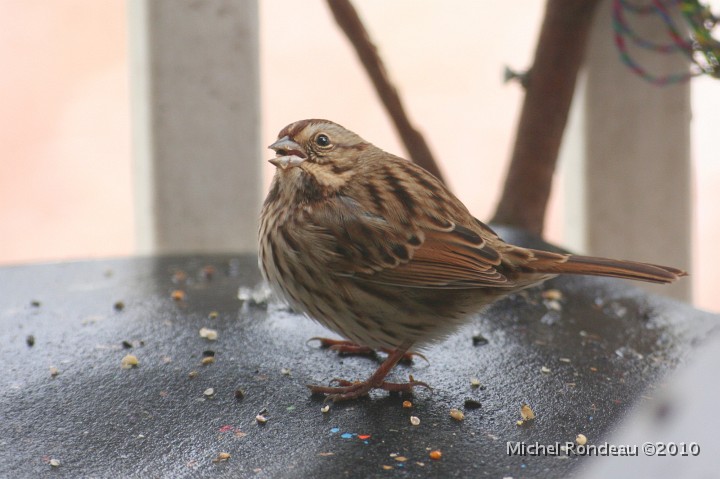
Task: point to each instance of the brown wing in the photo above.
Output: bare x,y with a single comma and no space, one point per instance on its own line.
440,254
446,260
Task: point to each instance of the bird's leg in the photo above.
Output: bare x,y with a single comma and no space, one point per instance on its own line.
345,347
352,390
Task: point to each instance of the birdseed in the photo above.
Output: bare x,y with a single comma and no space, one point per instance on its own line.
208,333
223,456
457,414
129,361
552,294
526,412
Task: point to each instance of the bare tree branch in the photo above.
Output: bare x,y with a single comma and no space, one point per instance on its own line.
558,57
347,18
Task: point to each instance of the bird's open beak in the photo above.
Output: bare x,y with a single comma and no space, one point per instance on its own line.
289,153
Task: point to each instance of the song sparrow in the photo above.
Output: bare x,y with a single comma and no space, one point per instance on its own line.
378,250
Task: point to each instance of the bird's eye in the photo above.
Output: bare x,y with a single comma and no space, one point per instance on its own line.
322,140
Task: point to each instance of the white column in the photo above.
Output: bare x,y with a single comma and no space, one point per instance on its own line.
196,124
635,174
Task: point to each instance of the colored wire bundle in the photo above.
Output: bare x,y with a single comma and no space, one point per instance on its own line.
699,45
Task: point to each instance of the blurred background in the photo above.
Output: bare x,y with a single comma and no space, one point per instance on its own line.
66,189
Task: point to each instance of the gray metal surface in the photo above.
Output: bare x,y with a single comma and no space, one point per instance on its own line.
605,351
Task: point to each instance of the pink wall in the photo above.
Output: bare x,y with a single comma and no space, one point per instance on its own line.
65,186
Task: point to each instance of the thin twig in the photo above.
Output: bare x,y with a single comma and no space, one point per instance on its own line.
347,18
558,56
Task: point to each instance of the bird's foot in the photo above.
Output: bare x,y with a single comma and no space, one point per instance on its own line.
347,390
343,346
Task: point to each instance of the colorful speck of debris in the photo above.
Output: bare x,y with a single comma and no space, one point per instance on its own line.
226,428
350,435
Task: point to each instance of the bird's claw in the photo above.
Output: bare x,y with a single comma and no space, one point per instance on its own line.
347,390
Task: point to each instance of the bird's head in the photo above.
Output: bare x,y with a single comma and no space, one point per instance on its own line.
319,148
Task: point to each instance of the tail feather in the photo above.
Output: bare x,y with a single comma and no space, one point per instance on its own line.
546,262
